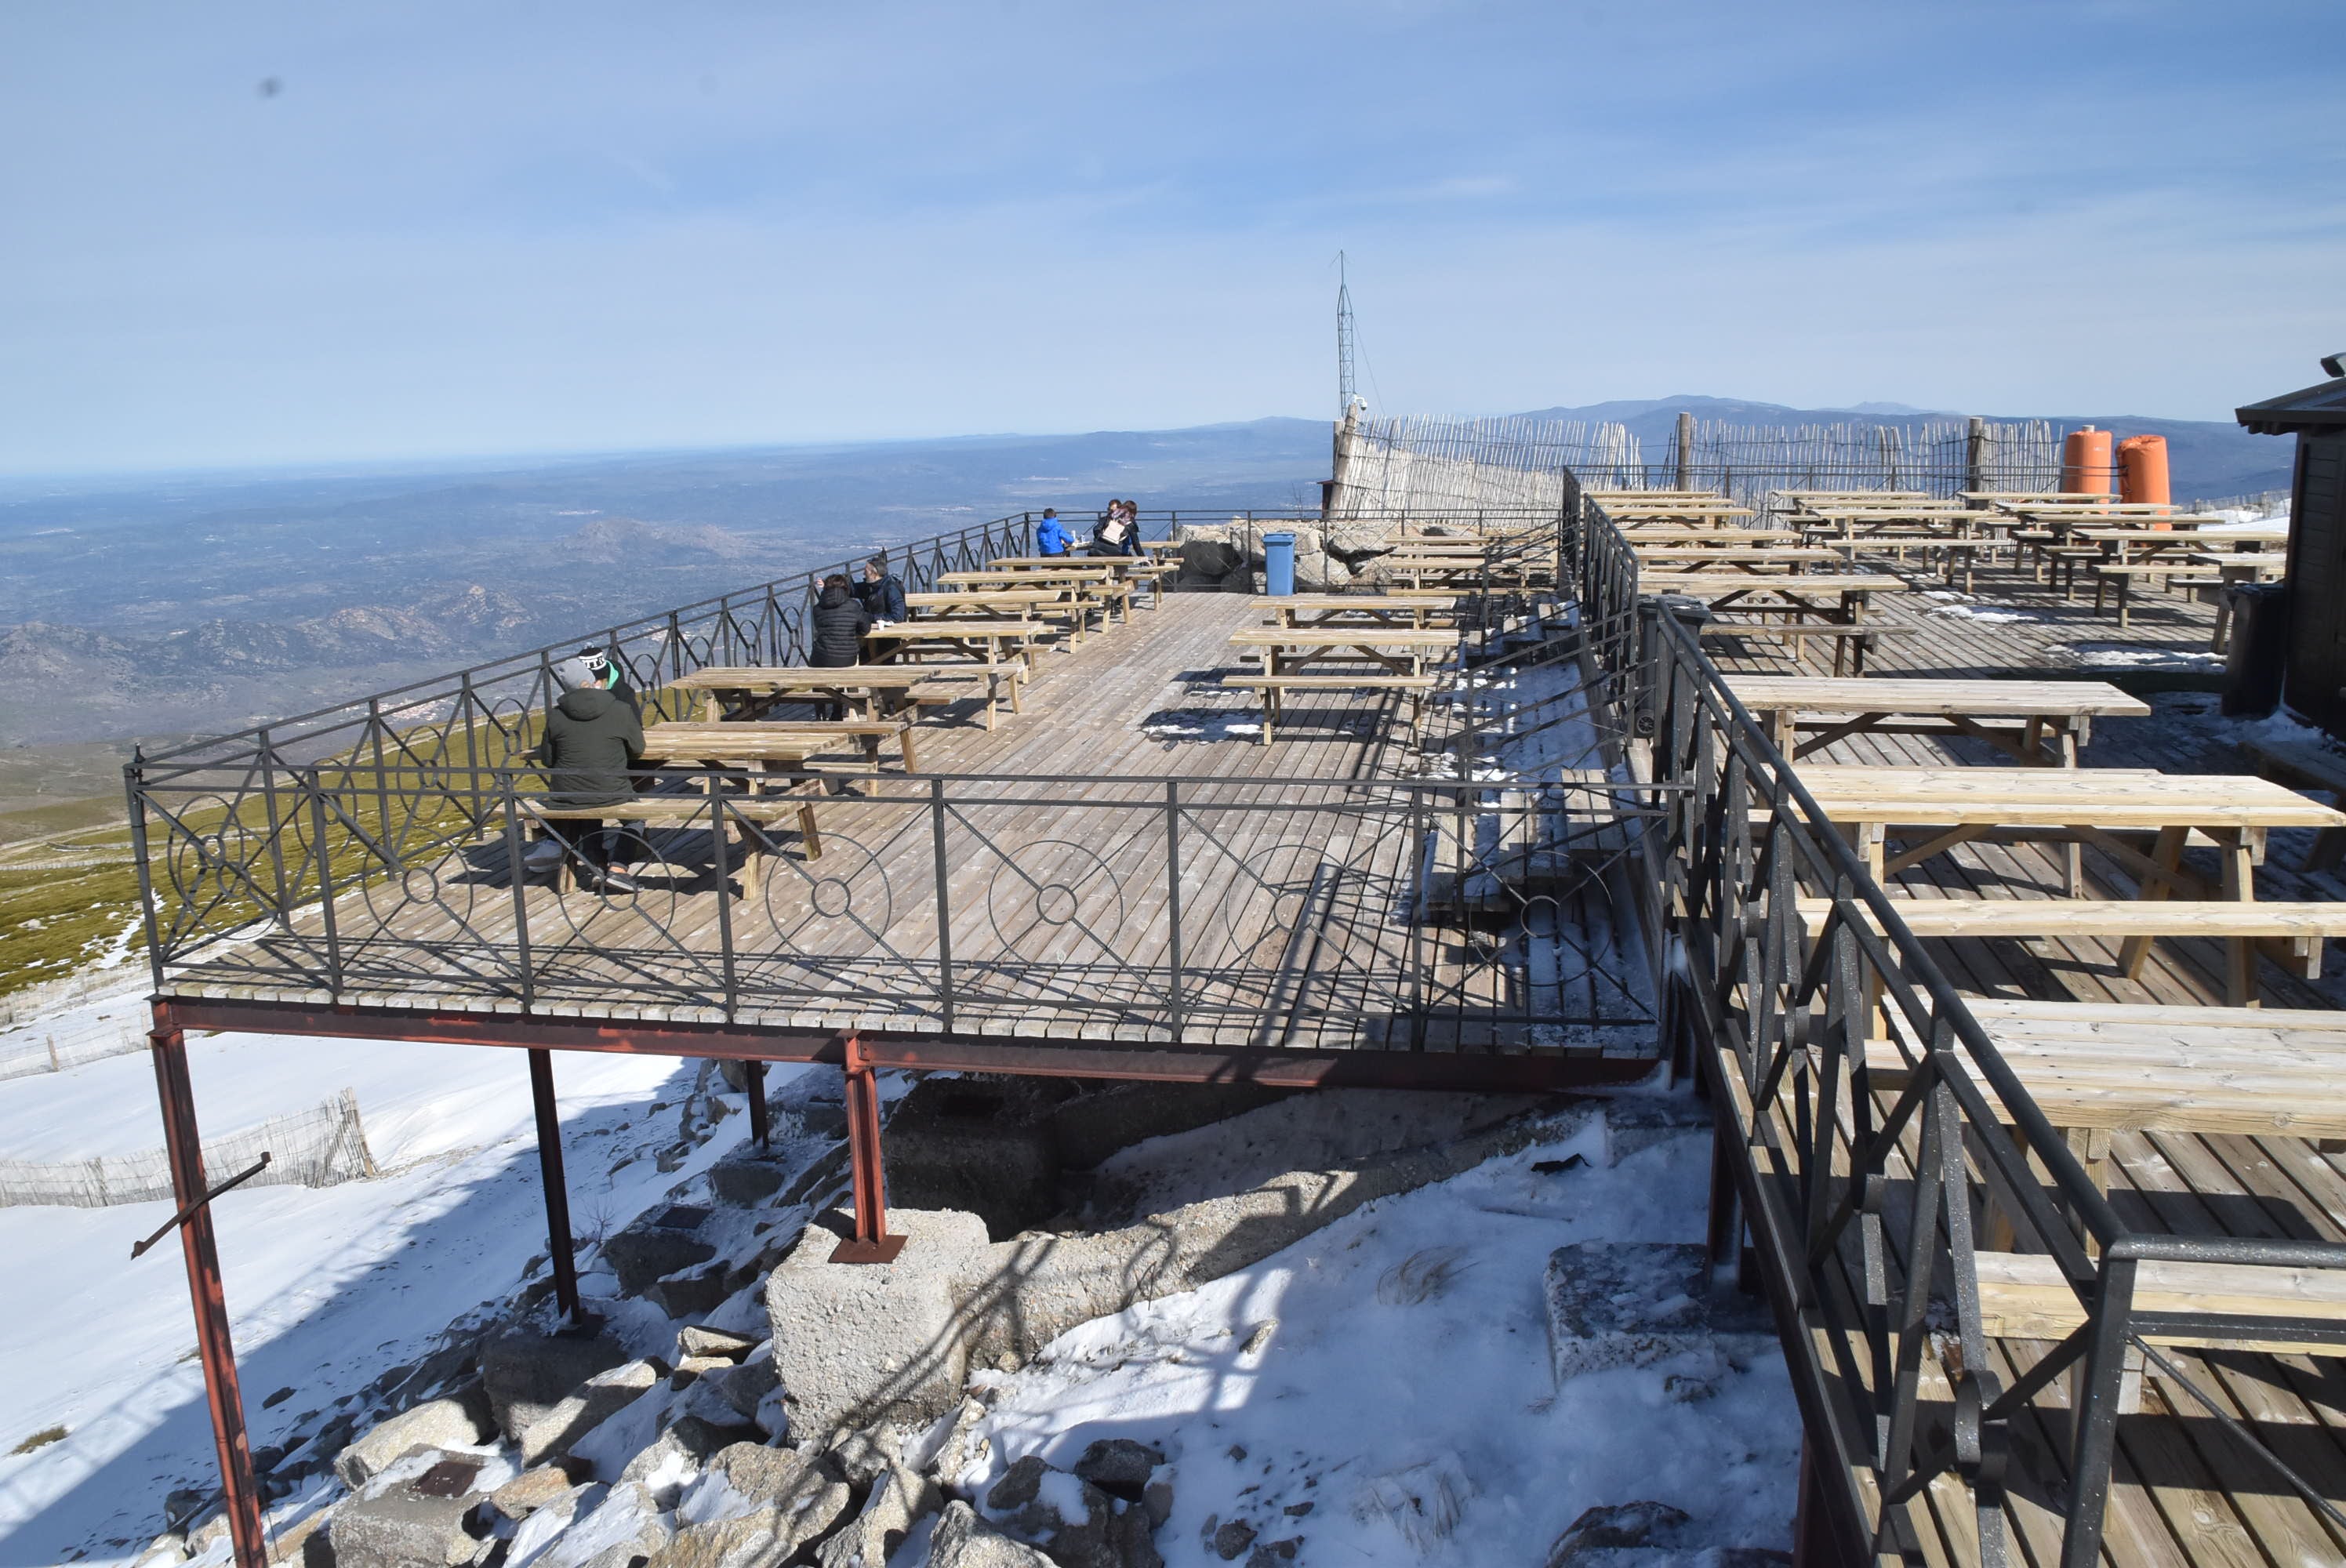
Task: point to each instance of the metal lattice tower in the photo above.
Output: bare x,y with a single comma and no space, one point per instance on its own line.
1344,392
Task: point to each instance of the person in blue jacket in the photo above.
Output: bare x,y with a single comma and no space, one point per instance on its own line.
1051,536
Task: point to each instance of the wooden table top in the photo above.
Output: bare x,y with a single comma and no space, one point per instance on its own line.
1788,552
2264,1070
1895,695
706,742
1059,562
2058,797
1428,601
987,597
797,678
1343,637
1818,583
1002,630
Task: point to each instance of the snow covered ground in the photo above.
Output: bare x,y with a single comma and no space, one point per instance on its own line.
1320,1395
327,1288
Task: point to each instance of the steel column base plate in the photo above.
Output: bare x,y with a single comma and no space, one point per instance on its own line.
883,1250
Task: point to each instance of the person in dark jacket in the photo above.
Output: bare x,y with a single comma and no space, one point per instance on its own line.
840,622
592,742
881,593
1118,531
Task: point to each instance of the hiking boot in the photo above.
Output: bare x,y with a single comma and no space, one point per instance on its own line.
542,856
612,882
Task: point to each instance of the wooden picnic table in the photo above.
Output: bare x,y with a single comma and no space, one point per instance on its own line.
2074,807
2058,714
1837,602
970,641
756,688
778,745
1112,589
1788,558
1661,535
1286,650
1379,609
1046,606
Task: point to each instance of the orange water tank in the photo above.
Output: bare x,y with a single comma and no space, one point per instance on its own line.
2142,469
2085,463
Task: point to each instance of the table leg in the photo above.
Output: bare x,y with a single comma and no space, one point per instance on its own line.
2240,952
2168,853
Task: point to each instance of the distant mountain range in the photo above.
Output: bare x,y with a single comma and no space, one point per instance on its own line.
207,601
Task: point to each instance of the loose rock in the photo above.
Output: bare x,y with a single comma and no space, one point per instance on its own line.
599,1399
530,1490
1618,1525
436,1424
526,1373
963,1540
1119,1466
898,1500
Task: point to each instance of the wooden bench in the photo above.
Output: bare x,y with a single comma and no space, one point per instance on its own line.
684,811
2122,573
2290,934
1275,686
2021,1296
1858,640
2306,765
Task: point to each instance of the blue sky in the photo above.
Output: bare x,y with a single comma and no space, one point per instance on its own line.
518,227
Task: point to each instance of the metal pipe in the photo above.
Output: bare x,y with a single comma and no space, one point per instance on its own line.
559,1243
753,1073
183,1147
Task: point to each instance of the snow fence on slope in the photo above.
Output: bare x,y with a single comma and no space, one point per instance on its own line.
317,1147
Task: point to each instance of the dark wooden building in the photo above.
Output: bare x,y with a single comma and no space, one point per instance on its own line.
2316,680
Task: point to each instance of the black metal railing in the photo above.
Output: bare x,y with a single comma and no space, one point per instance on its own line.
1871,1129
368,850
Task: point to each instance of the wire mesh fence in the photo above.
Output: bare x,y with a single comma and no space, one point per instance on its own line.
318,1148
1425,465
56,1043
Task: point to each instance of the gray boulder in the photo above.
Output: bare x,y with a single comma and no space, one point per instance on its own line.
899,1498
801,1495
624,1531
531,1491
963,1540
643,1254
1107,1535
1119,1466
1600,1533
526,1373
417,1523
435,1423
600,1398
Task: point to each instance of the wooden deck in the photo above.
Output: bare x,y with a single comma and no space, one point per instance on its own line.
1300,864
2184,1490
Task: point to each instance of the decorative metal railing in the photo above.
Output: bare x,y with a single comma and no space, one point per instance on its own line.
366,852
1871,1129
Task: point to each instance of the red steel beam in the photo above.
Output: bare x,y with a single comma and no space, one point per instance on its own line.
871,1243
560,1249
1286,1069
183,1146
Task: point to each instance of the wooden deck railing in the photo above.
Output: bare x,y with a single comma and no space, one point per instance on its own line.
1864,1206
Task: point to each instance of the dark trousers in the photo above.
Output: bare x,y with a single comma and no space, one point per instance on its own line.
585,838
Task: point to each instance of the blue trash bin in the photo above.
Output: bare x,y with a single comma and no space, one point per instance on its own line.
1279,563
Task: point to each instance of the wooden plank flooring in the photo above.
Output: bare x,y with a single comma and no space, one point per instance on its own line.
2184,1490
1053,916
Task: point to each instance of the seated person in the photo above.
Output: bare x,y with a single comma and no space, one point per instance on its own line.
592,742
1051,535
612,677
1119,532
881,593
835,638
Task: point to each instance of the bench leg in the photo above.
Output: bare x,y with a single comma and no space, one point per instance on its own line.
2240,952
812,839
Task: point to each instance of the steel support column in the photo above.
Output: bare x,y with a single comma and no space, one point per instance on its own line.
753,1073
872,1243
558,1192
184,1149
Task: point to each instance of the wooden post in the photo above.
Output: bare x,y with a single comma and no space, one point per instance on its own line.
1686,451
1975,456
